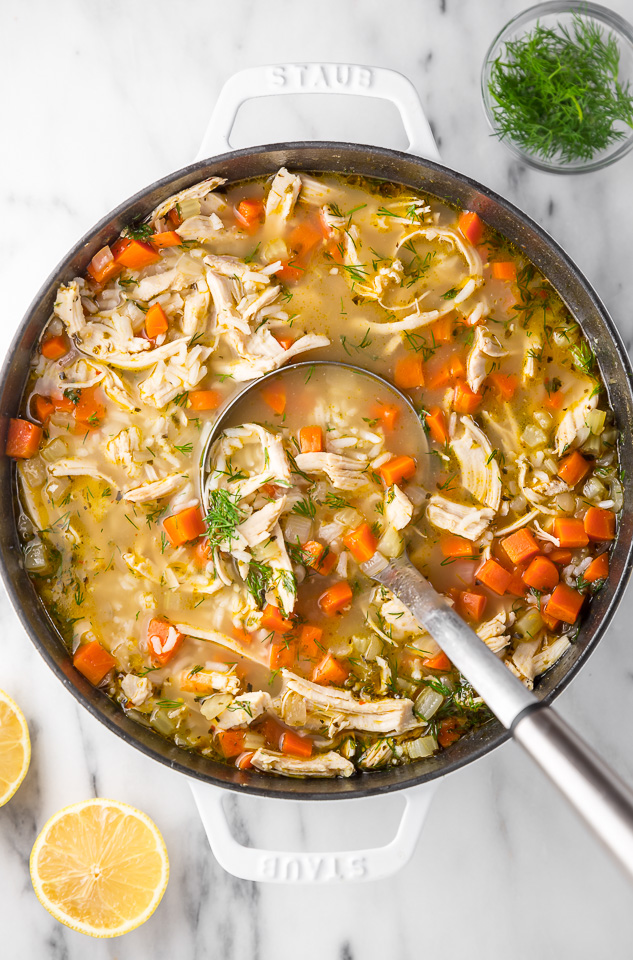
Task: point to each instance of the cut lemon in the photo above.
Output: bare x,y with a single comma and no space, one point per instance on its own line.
15,747
100,867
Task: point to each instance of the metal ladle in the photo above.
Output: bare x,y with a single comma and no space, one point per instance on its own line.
595,791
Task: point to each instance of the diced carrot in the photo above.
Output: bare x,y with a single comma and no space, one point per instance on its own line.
570,532
504,270
271,730
174,217
319,557
409,373
245,760
560,556
103,267
55,347
304,238
93,661
134,254
282,655
230,742
386,413
599,524
504,383
456,367
448,731
204,399
163,641
284,342
564,604
554,400
89,412
436,423
336,598
550,622
168,238
464,399
541,574
156,322
453,546
573,468
269,489
184,526
521,546
330,670
273,620
64,404
290,271
471,226
251,210
598,569
275,396
472,604
442,329
23,439
334,251
397,469
361,543
438,662
310,641
202,551
494,576
295,745
517,586
42,407
311,439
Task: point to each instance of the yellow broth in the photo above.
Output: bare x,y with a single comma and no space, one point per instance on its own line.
399,284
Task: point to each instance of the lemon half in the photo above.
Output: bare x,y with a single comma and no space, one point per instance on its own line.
100,867
15,747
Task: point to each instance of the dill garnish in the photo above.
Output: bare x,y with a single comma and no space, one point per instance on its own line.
223,517
557,91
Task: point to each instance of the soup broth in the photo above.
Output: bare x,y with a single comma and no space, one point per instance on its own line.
238,620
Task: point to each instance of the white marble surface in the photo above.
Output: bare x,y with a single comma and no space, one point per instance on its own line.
100,98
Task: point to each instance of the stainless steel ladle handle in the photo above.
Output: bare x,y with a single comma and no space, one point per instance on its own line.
595,791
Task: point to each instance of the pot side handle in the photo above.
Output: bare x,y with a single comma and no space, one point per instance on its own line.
325,78
272,866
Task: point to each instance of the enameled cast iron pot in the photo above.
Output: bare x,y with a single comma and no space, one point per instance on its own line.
421,175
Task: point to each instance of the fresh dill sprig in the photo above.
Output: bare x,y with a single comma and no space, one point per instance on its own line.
223,517
556,91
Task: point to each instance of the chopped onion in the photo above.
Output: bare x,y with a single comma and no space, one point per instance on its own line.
543,419
330,531
592,445
54,450
428,703
298,529
518,503
595,421
213,706
422,747
530,624
533,436
566,502
36,558
348,517
594,489
369,647
275,250
391,544
188,208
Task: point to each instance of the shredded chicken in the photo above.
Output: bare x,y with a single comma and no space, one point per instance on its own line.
469,522
342,472
329,764
485,346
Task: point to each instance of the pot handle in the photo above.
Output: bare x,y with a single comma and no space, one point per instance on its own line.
333,78
271,866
